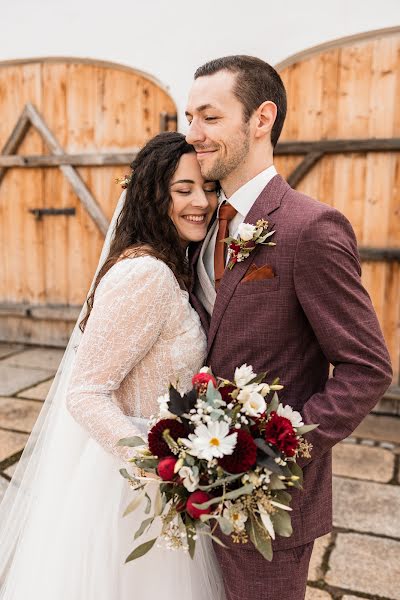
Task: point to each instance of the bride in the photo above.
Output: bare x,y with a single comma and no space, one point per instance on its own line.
62,531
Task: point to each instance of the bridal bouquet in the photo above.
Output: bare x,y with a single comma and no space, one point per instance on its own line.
224,455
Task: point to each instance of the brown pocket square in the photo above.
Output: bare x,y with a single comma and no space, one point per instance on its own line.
258,273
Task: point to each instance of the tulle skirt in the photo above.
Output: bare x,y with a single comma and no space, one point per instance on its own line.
76,549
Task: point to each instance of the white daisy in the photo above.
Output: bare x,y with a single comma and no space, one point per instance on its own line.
211,441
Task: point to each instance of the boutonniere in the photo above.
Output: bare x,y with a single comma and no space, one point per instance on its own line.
249,236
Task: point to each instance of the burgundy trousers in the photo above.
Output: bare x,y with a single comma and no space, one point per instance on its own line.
248,576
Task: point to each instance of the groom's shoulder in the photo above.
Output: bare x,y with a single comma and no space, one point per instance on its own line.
302,209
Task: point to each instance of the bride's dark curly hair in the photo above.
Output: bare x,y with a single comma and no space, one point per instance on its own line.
144,227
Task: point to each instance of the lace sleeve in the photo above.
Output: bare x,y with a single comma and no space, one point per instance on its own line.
128,314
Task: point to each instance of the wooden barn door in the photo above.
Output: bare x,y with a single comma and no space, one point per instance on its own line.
341,144
68,129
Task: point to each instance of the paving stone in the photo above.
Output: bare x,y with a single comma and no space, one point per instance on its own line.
365,564
37,358
14,379
3,487
366,506
7,349
320,545
18,414
37,392
361,462
10,443
314,594
379,428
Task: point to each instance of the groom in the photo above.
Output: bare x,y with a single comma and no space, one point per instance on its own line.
289,309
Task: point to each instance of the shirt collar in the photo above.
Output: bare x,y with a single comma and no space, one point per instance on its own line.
243,199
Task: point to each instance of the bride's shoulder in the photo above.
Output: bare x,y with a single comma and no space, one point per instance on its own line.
134,268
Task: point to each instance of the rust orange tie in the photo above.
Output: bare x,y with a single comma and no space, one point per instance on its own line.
225,215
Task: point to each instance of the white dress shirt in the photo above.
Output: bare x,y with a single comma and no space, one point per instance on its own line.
243,199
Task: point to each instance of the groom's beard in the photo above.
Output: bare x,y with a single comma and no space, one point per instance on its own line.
237,151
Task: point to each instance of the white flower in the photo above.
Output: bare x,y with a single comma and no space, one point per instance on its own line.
235,514
211,441
190,480
246,231
163,403
253,403
204,370
294,417
243,375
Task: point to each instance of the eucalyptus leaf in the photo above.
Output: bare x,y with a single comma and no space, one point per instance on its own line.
259,537
133,504
282,523
145,524
258,379
264,447
305,429
220,482
148,504
273,405
213,537
158,503
225,525
190,532
269,463
275,483
297,472
242,491
141,550
131,442
126,475
212,393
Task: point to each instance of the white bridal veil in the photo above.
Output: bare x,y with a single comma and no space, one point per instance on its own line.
51,454
62,534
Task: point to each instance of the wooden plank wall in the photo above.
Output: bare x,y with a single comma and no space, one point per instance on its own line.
353,92
89,107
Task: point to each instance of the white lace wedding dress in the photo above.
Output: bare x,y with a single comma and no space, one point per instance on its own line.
142,334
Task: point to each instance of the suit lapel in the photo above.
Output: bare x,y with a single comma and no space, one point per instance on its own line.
268,201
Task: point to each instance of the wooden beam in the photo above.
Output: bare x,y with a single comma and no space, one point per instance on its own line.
69,172
338,146
77,160
17,135
302,169
368,253
54,312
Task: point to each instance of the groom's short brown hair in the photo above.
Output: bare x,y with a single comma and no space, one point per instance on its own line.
256,82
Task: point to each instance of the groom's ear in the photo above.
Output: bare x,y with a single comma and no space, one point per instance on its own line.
265,116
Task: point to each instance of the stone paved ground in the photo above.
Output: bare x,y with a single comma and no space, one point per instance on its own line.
360,559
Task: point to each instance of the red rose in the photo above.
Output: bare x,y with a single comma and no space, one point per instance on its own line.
201,380
244,455
279,432
197,497
158,446
165,468
234,247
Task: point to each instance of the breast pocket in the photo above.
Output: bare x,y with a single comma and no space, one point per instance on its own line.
250,288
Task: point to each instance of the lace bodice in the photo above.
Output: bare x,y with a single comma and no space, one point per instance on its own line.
142,334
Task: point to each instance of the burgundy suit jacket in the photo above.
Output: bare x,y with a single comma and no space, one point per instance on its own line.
314,312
